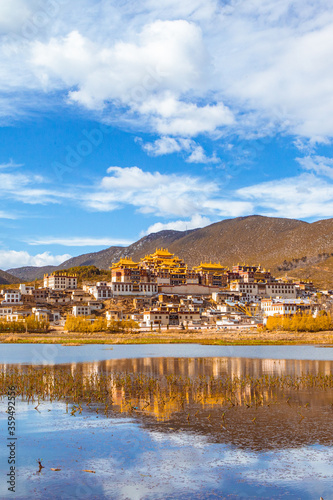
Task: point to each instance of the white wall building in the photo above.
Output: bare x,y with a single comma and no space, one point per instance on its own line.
146,289
79,295
273,289
81,311
12,297
101,291
60,282
5,310
114,315
155,318
17,316
282,307
25,289
41,314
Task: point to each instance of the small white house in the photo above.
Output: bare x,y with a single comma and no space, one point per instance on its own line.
12,297
26,289
5,310
281,307
101,291
81,310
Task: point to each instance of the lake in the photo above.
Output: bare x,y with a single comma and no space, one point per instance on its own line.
169,421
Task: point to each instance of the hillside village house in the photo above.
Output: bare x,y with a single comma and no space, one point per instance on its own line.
157,317
18,315
95,305
114,315
273,289
81,310
40,294
101,291
280,307
60,281
5,310
79,295
41,314
26,289
57,297
11,297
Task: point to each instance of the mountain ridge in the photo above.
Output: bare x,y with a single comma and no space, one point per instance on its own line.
7,278
271,241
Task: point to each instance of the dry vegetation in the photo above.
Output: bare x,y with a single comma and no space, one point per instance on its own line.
209,337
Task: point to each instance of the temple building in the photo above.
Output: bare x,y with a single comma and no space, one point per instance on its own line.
212,274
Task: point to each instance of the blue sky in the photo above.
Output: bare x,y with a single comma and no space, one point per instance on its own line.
122,118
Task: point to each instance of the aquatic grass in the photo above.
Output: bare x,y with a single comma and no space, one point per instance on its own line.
160,396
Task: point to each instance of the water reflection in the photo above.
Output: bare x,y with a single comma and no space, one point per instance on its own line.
194,367
251,403
185,428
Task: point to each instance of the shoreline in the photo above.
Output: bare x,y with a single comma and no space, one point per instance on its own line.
172,337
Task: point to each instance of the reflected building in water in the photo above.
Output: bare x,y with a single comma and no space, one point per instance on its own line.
209,367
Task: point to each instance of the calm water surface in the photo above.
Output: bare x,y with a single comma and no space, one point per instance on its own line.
202,448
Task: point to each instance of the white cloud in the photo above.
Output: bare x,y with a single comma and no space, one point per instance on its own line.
14,14
168,145
180,225
301,197
167,56
179,68
165,195
12,259
80,241
148,77
273,61
318,164
226,207
7,215
173,117
22,188
150,192
198,155
10,164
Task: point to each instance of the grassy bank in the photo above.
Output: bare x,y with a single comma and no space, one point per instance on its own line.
208,337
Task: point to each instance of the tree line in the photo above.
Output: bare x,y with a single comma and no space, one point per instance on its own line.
82,325
302,322
29,325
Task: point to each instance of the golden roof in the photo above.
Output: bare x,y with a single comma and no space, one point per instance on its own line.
210,265
163,252
125,262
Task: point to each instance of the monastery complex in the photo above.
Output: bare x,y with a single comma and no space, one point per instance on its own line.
161,290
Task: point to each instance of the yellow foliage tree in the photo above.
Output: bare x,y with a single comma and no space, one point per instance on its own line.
301,322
